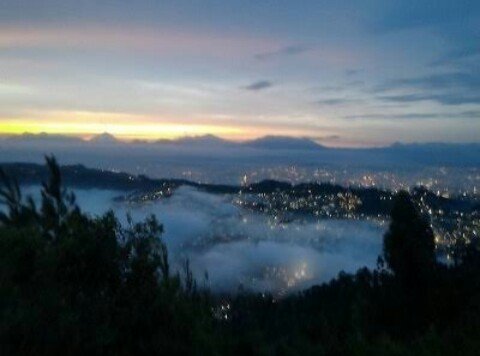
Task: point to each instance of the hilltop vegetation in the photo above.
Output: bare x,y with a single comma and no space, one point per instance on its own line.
74,284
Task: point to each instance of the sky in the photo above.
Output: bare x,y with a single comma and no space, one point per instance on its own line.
345,73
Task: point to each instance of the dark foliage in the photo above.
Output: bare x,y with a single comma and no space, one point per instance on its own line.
409,246
73,284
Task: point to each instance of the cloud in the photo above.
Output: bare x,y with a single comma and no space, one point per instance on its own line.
237,246
444,98
467,80
282,52
259,85
326,138
355,83
328,88
142,40
395,116
453,88
334,101
338,89
352,72
240,247
456,55
469,114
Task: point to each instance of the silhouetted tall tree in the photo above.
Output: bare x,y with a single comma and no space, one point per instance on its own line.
409,245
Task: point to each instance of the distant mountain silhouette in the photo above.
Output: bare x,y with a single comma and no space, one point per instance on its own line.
432,145
406,154
204,140
284,143
43,137
266,142
104,138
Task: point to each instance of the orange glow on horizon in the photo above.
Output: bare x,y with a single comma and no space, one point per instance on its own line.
130,128
121,130
127,127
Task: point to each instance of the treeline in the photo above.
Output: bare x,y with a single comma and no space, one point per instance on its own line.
73,284
374,201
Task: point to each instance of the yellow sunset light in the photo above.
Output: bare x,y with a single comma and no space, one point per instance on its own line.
125,130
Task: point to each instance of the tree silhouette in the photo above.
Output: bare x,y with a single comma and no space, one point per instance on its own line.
73,284
409,245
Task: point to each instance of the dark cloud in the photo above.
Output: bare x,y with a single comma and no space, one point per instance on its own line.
454,88
284,51
443,81
395,116
334,101
259,85
405,98
326,138
445,99
352,72
470,114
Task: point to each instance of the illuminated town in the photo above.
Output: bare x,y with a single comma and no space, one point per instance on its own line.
455,218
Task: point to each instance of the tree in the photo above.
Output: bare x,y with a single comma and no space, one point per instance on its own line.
409,245
75,284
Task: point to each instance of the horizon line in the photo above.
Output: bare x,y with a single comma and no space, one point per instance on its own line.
90,137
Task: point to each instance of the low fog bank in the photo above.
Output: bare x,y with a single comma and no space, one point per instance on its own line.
241,249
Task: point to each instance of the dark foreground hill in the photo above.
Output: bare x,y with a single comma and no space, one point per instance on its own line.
73,284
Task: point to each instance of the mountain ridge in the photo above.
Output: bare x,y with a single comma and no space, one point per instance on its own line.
264,142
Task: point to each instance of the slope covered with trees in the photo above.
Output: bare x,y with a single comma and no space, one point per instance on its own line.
73,284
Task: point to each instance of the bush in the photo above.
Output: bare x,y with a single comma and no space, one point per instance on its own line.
75,284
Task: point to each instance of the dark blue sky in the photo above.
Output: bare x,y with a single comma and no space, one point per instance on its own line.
344,72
